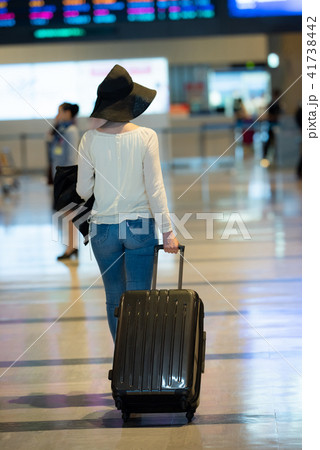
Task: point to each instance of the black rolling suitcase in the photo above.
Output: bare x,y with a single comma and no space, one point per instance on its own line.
160,349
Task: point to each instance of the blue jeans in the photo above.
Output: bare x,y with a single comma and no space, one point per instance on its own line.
124,253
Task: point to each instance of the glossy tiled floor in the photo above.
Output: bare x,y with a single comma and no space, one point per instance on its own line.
57,396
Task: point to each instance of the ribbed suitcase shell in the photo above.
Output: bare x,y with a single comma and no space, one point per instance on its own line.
159,351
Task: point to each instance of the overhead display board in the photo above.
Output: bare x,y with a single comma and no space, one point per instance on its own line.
25,21
60,13
264,8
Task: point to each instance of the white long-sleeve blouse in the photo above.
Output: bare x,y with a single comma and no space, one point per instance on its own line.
123,172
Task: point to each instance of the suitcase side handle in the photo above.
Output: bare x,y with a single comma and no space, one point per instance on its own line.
155,265
204,339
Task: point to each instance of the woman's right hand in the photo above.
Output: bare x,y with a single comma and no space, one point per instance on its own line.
170,242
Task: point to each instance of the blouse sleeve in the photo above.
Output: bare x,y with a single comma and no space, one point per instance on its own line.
85,182
154,185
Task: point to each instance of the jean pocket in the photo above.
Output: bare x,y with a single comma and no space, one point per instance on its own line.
99,233
141,229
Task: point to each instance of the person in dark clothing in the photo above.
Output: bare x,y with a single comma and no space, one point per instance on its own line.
298,117
274,111
63,143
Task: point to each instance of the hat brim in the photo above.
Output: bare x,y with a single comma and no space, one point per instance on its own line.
127,108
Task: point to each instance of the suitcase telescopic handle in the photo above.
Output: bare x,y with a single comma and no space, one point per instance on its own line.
155,265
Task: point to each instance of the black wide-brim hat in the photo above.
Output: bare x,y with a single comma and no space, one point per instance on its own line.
119,98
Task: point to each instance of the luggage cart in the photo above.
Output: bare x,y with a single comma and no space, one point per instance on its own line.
8,171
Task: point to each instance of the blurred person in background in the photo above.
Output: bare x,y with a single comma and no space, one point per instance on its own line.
240,112
243,121
63,143
274,111
298,119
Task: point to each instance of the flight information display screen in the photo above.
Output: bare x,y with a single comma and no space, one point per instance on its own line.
55,13
261,8
23,21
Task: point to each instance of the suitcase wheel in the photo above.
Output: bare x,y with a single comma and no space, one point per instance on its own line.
190,415
125,416
118,403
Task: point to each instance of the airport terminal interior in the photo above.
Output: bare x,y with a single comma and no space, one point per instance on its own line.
234,185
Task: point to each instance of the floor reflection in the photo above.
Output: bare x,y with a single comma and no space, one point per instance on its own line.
251,389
